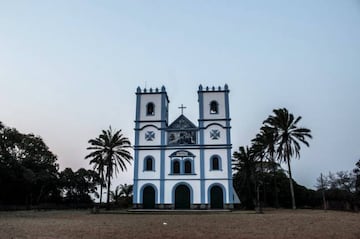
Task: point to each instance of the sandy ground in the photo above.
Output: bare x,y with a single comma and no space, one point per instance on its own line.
271,224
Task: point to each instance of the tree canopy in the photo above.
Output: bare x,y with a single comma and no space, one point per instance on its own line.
30,176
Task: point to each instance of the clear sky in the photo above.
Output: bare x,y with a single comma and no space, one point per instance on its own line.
69,69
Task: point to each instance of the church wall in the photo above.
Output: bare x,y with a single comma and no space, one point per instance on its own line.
145,137
222,183
194,189
210,133
223,172
155,154
154,183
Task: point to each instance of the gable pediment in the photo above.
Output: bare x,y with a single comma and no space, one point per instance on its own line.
182,123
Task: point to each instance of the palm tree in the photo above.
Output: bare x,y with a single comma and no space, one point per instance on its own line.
265,147
116,195
99,167
244,166
258,150
289,137
112,148
126,190
122,191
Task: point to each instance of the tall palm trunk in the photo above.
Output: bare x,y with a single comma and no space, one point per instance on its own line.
108,190
275,181
291,185
101,189
101,186
261,183
275,188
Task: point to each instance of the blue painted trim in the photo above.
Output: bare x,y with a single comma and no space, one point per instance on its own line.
148,121
217,124
187,185
223,192
185,177
202,140
149,125
228,141
181,166
142,191
136,152
217,119
211,163
185,174
188,154
164,114
207,146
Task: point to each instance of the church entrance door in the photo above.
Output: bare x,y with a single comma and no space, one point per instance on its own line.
149,197
182,197
216,198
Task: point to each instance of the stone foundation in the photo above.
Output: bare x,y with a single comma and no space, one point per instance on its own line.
192,206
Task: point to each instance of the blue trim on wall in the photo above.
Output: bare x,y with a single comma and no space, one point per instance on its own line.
207,146
228,141
149,125
155,189
136,153
202,140
223,192
164,102
187,185
217,124
185,177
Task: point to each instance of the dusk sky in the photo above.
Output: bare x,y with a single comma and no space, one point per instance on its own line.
69,69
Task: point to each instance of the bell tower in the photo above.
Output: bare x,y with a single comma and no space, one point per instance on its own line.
151,120
214,138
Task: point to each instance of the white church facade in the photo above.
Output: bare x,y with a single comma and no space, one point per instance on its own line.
180,165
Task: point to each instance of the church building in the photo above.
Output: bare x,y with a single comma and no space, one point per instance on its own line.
182,165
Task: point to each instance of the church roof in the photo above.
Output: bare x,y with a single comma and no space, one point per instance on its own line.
182,123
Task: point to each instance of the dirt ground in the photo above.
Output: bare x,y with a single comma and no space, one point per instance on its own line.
238,224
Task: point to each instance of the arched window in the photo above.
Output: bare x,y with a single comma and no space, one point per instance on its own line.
188,166
215,163
149,164
214,107
150,109
176,167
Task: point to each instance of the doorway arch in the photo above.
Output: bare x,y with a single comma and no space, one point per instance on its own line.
148,197
182,197
216,197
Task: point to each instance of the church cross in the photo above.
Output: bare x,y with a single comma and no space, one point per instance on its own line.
182,108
